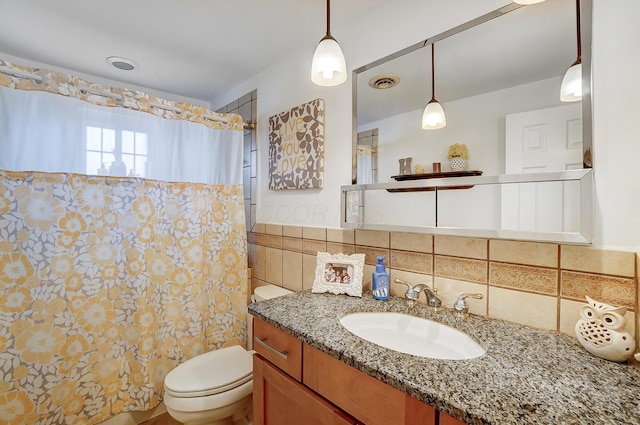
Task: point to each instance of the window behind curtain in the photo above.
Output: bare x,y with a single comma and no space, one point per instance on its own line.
46,132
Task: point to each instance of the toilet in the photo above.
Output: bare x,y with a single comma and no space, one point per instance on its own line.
216,388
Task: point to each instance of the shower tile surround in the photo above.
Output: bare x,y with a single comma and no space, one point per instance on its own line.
531,283
247,107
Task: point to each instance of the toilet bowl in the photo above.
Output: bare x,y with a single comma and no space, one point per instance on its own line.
215,388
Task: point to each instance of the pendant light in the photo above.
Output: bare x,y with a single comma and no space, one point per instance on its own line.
571,88
433,115
328,67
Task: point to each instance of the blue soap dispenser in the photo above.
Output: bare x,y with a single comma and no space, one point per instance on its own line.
380,281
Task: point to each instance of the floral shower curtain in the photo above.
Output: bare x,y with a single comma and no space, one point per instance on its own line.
106,284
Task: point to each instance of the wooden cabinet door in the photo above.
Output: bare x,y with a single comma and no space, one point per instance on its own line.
449,420
369,400
279,400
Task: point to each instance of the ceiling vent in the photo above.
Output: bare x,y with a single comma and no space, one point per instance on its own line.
384,81
122,63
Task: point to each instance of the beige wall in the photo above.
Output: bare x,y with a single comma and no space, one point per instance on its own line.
521,281
383,30
537,284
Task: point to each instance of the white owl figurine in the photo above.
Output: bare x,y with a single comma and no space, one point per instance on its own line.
599,331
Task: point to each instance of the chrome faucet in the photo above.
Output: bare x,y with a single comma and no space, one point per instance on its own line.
433,300
461,308
413,293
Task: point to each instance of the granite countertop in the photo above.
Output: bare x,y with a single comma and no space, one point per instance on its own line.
527,376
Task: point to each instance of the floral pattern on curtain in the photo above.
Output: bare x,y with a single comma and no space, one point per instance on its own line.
73,86
108,283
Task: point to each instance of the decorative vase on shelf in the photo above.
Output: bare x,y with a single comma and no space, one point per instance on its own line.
458,163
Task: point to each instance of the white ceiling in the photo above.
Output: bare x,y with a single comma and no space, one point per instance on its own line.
194,48
200,49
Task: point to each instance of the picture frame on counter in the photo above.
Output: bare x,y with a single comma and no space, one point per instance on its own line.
339,274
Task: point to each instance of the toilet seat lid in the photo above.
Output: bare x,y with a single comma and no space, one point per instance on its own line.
211,373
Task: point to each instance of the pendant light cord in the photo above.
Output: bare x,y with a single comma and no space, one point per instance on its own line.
329,18
433,73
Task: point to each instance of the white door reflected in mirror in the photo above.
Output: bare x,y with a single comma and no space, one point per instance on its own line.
538,141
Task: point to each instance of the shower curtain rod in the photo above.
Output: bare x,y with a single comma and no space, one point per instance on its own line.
248,125
166,107
21,74
115,96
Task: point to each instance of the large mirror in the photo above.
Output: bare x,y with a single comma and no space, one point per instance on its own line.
498,79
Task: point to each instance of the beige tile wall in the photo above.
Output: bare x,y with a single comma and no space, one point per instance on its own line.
537,284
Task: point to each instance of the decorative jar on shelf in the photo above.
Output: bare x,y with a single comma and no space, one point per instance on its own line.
458,163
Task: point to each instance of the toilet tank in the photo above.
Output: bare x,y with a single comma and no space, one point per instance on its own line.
262,293
267,292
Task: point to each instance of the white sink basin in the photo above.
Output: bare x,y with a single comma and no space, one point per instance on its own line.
412,335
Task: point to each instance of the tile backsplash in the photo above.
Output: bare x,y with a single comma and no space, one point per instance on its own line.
537,284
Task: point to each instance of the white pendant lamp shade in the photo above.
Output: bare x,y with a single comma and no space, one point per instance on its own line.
433,116
528,1
571,88
328,67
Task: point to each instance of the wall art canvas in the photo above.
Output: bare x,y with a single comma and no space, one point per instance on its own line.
296,147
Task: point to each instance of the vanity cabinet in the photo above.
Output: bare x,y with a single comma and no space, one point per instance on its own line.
279,348
280,400
295,383
449,420
371,401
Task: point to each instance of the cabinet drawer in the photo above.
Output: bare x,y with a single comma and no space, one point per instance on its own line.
280,348
365,398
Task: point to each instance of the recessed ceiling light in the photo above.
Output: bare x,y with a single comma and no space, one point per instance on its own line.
384,81
122,63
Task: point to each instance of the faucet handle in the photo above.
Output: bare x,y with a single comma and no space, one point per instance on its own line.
461,308
411,294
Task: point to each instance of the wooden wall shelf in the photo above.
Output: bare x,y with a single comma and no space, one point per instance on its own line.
445,174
